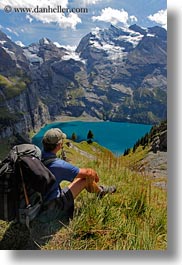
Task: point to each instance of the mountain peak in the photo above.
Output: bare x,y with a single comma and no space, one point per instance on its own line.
45,41
113,27
137,28
3,36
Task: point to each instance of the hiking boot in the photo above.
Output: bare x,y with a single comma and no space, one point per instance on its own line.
106,190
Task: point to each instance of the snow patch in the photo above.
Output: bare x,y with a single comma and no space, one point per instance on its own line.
72,55
32,57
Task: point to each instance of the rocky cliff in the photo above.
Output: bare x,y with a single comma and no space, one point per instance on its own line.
115,74
21,110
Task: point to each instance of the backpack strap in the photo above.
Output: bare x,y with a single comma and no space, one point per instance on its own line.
24,188
27,221
48,160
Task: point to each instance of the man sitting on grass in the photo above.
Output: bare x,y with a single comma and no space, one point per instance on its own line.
61,201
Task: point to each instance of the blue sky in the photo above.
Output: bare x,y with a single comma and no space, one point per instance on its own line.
69,28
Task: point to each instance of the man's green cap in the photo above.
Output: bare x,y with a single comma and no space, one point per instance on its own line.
54,136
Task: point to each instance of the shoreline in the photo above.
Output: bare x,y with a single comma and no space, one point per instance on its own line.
66,118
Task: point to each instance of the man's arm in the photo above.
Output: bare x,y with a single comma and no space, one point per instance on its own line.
88,173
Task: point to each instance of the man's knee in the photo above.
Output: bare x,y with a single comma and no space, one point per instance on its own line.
77,186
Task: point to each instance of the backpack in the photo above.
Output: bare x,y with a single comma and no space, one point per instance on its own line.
24,180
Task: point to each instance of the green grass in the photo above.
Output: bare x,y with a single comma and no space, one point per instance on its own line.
11,86
133,218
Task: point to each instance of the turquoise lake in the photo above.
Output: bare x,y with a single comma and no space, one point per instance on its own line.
116,136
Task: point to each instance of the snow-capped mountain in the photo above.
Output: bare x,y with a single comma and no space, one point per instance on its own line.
119,42
117,74
11,55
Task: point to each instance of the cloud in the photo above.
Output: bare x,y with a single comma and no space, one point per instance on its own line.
29,18
114,16
64,20
133,19
69,22
160,18
12,31
88,2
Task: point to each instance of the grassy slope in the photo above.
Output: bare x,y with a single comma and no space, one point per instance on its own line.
134,218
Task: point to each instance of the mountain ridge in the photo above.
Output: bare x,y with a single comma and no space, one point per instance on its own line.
116,74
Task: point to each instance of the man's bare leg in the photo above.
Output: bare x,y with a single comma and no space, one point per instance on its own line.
80,184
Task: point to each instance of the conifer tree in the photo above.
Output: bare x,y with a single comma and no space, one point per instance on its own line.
126,152
74,137
134,148
90,136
